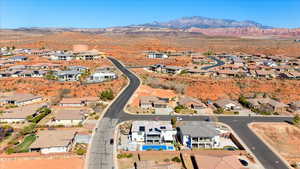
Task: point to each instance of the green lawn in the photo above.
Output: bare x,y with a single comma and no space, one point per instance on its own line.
23,147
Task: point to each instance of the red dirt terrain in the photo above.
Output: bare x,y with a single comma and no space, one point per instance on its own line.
283,137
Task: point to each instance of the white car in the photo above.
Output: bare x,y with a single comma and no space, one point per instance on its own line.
178,118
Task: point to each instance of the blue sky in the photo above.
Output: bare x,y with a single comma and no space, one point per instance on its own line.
107,13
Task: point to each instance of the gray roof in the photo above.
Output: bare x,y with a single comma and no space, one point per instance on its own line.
199,129
68,72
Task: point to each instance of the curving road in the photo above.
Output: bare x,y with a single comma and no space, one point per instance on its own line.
219,63
101,152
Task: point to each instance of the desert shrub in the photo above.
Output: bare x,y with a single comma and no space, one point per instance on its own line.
124,155
107,95
10,150
173,121
296,119
179,108
80,151
176,159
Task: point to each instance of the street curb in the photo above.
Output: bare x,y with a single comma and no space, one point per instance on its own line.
250,125
242,142
101,117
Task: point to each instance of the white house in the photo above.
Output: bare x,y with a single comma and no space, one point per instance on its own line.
68,75
152,132
101,76
199,134
156,55
53,141
61,56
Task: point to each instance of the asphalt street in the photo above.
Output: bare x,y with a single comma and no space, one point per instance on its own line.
101,154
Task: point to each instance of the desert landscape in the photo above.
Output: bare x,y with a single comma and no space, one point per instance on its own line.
283,137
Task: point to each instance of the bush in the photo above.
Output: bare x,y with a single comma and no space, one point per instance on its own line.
296,119
43,112
244,102
124,155
107,95
10,150
176,159
173,121
80,151
179,108
30,129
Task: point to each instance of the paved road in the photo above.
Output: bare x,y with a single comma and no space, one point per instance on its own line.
219,63
101,156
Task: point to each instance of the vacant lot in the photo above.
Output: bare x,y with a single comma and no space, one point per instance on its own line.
283,137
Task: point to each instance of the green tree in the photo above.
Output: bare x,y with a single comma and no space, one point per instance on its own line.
173,121
107,95
296,119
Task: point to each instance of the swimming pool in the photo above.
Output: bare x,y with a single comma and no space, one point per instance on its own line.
157,147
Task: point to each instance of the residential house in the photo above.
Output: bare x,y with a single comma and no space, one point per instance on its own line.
19,99
78,68
152,132
227,104
192,103
89,55
172,69
268,105
19,114
220,161
53,141
62,56
156,67
18,58
199,134
78,102
147,102
68,75
32,73
101,76
157,55
265,73
69,117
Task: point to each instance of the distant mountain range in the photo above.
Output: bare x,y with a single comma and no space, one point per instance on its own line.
204,22
187,25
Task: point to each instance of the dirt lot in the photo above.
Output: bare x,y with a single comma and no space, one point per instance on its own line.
283,137
210,88
44,163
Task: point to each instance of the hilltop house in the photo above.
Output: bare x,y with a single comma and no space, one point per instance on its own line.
172,69
89,55
152,132
68,75
18,58
157,55
199,134
53,141
78,68
62,56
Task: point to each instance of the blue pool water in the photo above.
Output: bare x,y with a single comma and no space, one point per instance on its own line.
157,147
